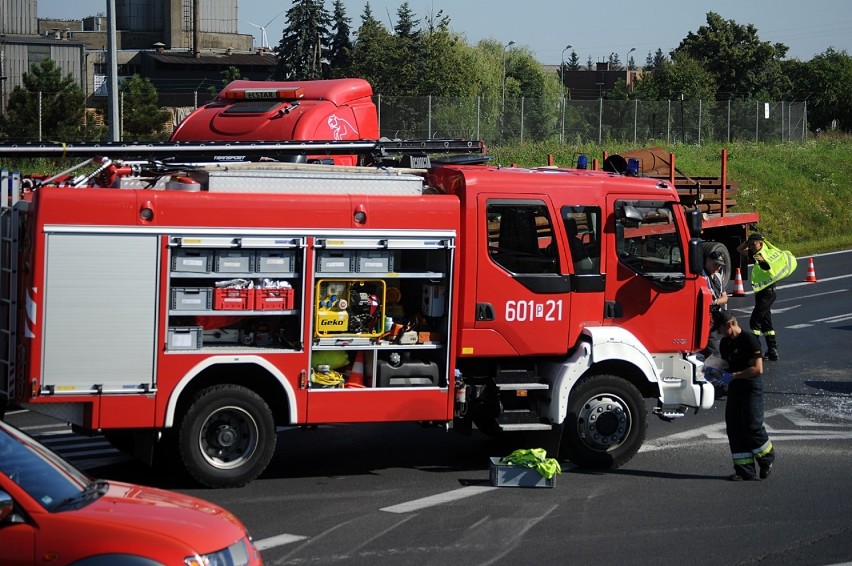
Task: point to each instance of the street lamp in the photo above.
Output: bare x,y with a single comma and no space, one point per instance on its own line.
627,59
562,79
505,47
562,68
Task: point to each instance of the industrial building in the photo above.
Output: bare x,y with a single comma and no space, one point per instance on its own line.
182,46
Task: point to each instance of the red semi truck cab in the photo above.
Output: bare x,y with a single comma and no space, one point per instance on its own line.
336,109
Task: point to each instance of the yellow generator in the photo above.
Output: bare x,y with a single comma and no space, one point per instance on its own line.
348,307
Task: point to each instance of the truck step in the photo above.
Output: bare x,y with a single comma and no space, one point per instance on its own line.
528,426
514,375
521,386
669,413
521,420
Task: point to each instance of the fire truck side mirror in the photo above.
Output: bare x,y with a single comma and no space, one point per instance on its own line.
694,220
696,256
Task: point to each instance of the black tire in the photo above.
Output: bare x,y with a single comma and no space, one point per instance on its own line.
606,423
227,436
709,247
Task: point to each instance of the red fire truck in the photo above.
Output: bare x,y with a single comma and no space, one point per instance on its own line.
195,308
188,298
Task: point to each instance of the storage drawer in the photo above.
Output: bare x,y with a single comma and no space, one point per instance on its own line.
234,261
275,261
408,373
184,338
375,261
191,298
273,299
335,261
192,261
233,299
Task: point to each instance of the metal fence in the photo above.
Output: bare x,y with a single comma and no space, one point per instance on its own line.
570,121
595,121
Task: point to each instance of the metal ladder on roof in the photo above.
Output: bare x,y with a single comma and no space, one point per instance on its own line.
10,184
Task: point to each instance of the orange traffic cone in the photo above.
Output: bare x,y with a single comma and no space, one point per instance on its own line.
811,275
356,374
739,291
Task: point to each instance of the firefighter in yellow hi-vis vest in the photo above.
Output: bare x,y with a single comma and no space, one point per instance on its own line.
770,266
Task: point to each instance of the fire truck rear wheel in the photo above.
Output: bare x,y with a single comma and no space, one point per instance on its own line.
227,436
606,422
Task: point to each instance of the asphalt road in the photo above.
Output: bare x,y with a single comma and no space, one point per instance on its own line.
403,494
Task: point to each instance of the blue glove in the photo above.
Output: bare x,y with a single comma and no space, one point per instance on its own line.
726,377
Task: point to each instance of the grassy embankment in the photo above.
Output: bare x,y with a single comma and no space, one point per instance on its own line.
802,191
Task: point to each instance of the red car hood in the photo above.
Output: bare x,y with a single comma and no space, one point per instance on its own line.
165,514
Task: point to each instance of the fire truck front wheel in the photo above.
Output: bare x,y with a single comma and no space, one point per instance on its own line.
227,436
606,422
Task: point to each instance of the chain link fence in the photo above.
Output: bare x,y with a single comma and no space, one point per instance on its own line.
592,121
514,120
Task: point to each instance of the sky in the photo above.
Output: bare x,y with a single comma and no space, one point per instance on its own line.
547,27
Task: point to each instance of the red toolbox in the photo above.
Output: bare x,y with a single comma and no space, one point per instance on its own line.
273,299
228,299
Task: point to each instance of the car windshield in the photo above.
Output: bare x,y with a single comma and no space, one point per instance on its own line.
42,474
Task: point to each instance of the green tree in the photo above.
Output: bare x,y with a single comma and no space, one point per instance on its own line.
824,82
573,63
406,58
744,66
61,108
369,54
229,75
680,76
304,47
445,61
142,118
527,84
340,52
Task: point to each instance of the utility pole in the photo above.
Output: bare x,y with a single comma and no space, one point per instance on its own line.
114,131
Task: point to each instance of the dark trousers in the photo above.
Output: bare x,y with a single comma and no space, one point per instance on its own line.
761,317
747,436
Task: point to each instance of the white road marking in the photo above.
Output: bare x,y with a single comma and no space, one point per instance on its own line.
438,499
836,278
829,320
785,309
278,540
715,433
835,318
811,296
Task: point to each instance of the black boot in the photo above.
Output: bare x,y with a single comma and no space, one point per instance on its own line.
771,348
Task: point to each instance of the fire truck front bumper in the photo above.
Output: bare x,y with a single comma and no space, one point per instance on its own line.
682,385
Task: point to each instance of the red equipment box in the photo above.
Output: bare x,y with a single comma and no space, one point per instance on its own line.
228,299
273,299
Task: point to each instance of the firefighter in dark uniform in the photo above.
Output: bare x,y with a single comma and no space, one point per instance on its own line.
747,436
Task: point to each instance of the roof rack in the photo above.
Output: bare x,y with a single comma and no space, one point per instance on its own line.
372,152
